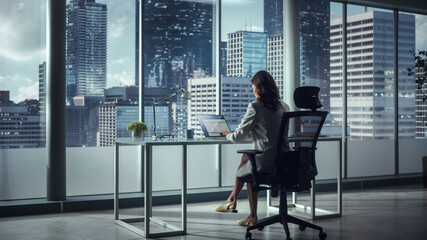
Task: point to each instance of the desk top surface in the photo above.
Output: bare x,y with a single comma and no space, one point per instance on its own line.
197,141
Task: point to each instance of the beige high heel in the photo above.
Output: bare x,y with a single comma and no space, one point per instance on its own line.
248,221
227,206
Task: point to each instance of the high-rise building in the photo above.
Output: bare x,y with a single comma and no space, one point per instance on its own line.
86,49
314,45
273,17
275,60
236,95
5,98
76,126
421,113
314,41
223,58
370,75
246,53
20,126
42,95
178,39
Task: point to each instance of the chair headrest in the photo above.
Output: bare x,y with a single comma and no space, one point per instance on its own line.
307,97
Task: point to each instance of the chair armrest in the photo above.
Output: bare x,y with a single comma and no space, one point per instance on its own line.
251,151
251,154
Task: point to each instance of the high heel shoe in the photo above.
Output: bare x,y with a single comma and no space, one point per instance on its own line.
227,206
248,221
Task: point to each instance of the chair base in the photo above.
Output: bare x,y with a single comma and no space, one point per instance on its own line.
283,218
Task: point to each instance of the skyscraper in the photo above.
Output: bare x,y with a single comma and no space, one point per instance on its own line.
273,17
223,58
178,39
86,48
275,60
370,75
314,41
247,53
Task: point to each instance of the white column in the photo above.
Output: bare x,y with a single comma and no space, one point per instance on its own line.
291,33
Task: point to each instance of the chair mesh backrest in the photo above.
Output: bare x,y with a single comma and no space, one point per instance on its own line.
297,167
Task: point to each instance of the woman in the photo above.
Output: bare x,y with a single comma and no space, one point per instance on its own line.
262,123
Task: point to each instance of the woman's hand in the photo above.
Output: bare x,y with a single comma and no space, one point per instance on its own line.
224,133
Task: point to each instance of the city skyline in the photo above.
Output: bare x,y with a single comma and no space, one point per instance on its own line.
23,48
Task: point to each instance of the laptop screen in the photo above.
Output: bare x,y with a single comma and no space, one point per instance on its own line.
212,125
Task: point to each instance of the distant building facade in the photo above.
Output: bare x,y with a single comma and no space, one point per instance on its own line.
314,43
275,61
20,126
86,51
236,95
246,53
370,75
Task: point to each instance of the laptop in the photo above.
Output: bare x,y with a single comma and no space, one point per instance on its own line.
212,125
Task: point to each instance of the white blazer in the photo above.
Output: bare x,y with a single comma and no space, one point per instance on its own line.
264,124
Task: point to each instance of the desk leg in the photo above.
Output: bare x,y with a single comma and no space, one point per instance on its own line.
148,187
184,189
339,184
313,198
116,181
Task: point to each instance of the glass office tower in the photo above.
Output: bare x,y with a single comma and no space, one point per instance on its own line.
247,53
178,39
86,48
314,42
370,75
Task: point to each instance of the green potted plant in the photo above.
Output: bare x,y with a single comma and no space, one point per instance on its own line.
138,129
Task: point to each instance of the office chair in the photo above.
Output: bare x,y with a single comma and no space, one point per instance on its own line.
293,170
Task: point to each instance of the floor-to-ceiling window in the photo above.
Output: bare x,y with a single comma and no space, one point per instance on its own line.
22,95
370,91
412,109
181,49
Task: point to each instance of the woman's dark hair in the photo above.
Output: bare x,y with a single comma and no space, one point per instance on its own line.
267,90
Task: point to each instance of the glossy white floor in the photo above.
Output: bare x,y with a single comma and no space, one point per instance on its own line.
388,213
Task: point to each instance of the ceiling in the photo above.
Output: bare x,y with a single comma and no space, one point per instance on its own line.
413,6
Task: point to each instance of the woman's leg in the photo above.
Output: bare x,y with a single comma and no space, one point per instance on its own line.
253,201
238,185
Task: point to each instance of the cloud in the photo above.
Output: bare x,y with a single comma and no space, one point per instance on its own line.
28,92
238,2
123,78
22,29
118,61
117,27
256,29
421,35
26,88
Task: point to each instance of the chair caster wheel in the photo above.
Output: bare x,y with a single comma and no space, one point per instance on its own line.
302,228
322,235
288,238
248,236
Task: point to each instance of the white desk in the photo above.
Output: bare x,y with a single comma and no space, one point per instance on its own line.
148,144
147,156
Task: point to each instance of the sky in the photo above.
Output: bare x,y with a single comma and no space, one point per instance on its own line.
23,39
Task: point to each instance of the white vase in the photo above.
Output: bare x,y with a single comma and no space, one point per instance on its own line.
137,135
